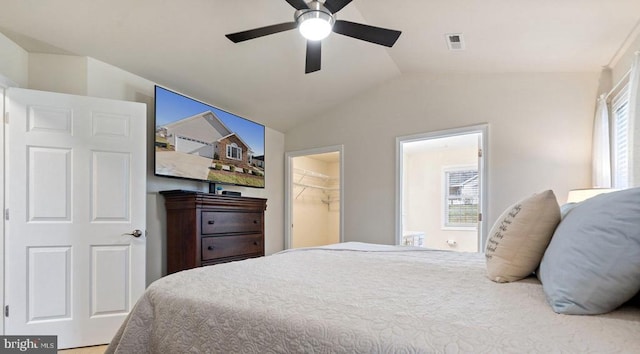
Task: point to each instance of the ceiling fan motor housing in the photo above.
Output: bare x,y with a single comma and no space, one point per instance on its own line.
316,10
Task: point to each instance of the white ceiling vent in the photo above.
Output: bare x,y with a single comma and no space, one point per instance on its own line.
455,41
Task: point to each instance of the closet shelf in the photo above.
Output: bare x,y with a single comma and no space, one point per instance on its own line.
307,173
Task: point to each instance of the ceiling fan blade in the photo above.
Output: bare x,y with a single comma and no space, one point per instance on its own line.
313,56
298,4
336,5
367,33
261,32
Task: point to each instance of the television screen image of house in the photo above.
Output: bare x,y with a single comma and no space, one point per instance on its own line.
197,141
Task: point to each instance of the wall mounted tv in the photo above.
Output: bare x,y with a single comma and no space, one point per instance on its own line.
197,141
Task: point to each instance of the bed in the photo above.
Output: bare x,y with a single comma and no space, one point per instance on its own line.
362,298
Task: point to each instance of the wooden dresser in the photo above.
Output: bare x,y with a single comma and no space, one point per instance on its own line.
205,229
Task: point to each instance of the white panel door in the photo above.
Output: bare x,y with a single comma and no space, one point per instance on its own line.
76,191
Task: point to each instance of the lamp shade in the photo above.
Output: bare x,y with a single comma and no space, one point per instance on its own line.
578,195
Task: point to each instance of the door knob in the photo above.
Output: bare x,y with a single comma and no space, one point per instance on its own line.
135,233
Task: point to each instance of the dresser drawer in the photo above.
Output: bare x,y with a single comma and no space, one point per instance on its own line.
229,246
219,222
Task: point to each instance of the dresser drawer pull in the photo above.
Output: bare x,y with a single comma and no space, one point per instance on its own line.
255,243
211,222
210,248
255,221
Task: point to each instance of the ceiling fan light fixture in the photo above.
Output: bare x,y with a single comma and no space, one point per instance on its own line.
315,28
316,22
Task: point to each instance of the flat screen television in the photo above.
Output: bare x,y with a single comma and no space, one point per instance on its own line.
197,141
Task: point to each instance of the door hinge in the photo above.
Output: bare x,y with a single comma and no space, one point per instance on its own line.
6,214
6,311
479,216
479,152
6,117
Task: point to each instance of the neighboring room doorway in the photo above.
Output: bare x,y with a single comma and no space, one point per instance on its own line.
440,189
313,197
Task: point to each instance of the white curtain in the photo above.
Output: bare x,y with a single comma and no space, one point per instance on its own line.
601,177
634,121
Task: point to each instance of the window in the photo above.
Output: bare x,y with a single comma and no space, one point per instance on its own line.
234,152
461,197
620,138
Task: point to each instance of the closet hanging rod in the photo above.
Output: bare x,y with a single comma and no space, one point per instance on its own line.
306,185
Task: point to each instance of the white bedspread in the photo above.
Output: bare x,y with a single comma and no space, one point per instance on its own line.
380,299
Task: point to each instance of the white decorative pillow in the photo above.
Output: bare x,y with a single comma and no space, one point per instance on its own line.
520,236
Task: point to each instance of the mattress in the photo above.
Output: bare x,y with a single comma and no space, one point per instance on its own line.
361,298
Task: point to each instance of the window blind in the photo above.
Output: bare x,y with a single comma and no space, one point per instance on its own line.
620,143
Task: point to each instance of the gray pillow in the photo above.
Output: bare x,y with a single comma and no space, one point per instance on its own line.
592,264
566,208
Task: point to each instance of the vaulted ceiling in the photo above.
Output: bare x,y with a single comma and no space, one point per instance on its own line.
181,44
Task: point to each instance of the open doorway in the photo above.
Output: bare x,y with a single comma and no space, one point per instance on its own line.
440,189
313,197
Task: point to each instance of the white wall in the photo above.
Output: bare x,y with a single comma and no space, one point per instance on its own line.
58,73
14,62
424,203
87,76
540,128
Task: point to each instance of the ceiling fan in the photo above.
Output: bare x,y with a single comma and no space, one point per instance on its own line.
316,20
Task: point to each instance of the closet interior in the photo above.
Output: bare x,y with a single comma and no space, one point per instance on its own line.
316,200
